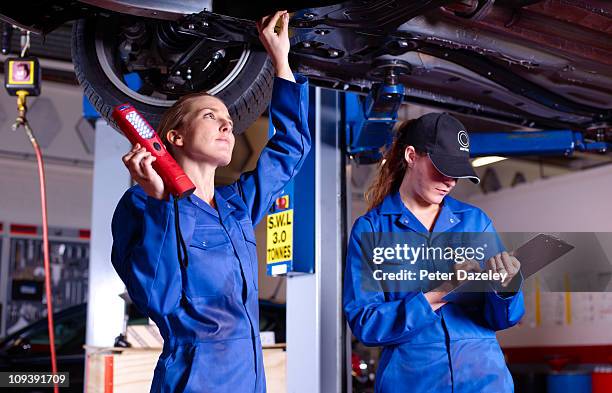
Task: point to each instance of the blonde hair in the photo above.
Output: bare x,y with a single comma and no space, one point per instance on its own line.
174,116
392,168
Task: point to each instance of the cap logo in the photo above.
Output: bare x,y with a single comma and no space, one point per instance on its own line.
464,141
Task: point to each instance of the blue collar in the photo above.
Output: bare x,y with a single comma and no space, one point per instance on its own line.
393,205
222,198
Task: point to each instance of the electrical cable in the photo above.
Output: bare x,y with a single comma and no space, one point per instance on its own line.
181,247
25,43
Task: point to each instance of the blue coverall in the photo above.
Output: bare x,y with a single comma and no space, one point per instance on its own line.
452,349
208,313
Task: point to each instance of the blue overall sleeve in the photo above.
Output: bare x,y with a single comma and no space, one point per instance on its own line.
373,319
144,251
284,153
504,309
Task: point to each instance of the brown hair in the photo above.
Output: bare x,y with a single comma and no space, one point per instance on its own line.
174,116
392,168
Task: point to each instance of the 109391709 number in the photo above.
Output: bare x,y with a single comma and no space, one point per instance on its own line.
33,379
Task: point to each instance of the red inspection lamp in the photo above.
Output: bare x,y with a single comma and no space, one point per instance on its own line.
138,130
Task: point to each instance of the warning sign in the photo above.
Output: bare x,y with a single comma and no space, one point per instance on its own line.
279,233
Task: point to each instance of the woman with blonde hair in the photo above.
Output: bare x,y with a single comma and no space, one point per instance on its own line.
206,302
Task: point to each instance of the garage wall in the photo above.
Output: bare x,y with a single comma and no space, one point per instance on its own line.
576,202
68,194
53,117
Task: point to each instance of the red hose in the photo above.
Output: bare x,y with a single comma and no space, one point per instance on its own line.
43,202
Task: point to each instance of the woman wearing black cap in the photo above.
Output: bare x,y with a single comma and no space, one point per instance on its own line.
431,344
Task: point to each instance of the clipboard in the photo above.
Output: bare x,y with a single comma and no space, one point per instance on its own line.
534,255
540,251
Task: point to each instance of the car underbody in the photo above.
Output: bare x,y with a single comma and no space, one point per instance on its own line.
526,63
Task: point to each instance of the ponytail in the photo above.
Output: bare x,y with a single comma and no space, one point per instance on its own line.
392,168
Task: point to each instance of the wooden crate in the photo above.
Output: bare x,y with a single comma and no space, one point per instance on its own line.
130,370
275,363
120,370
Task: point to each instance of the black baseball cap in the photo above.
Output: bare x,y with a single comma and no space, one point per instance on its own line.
445,141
